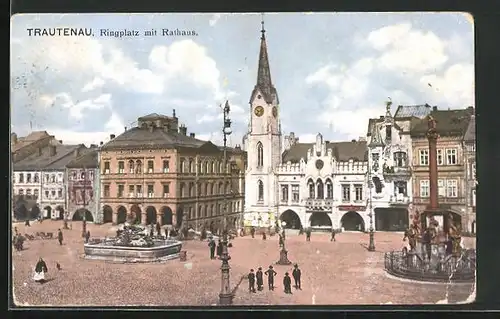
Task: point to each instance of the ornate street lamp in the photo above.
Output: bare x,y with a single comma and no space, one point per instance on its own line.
225,295
283,252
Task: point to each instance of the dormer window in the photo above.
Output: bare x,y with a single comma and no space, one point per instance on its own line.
388,132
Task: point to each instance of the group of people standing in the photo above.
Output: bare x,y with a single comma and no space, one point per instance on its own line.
215,248
258,277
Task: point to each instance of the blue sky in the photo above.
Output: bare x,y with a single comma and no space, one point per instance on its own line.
332,70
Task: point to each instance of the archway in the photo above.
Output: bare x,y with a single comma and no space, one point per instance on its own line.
352,221
60,212
473,227
136,210
35,212
20,211
291,219
107,214
391,219
121,215
179,215
48,212
167,215
81,213
320,220
150,215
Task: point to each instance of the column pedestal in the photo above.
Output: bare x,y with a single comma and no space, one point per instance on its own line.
283,258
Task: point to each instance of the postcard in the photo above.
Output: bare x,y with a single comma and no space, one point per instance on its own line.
166,160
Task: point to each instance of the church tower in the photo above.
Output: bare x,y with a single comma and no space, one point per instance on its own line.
263,139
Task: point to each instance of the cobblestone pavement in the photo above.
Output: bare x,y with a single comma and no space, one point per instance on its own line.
342,272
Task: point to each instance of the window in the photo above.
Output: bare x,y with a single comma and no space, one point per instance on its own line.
424,188
74,175
53,193
329,189
312,191
60,193
150,166
388,132
214,190
182,168
21,192
121,167
214,167
441,188
451,156
36,178
131,166
84,195
166,190
151,191
346,193
47,178
46,194
284,193
28,192
138,167
181,190
138,190
451,188
36,193
473,171
261,191
221,188
52,178
166,166
21,178
191,190
28,178
400,159
106,168
121,190
473,198
207,189
260,155
131,190
60,178
320,189
359,192
106,190
91,175
440,159
207,167
424,157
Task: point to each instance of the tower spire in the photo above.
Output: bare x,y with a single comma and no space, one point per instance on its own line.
264,83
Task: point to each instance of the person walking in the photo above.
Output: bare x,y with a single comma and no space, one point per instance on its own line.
87,236
260,279
251,281
270,273
219,249
264,235
308,234
333,235
40,270
296,274
212,245
60,236
252,232
287,283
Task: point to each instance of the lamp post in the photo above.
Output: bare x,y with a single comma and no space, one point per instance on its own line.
371,245
283,252
225,295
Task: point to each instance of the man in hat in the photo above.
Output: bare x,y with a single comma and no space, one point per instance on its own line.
211,244
287,283
333,235
87,236
60,236
219,249
40,270
296,273
251,281
308,234
260,279
270,273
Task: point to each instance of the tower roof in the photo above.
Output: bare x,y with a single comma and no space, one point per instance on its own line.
264,83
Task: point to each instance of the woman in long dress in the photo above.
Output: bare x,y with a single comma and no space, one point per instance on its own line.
40,270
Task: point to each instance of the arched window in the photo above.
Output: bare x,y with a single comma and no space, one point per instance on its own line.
138,167
260,155
131,166
261,190
36,178
182,187
206,190
221,188
329,189
312,191
214,190
320,189
207,167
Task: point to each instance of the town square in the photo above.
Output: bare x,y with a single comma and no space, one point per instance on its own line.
361,192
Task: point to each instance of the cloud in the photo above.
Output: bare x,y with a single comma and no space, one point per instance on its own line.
96,83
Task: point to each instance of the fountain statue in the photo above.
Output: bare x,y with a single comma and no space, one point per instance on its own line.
456,237
133,236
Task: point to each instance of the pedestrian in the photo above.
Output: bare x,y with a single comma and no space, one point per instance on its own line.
301,230
333,235
251,281
87,236
296,273
60,236
40,270
252,232
426,241
270,273
158,229
212,245
260,279
264,235
308,234
166,232
151,230
287,283
219,249
27,222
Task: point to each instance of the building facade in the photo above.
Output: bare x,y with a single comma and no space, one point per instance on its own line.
156,172
42,175
451,126
469,147
24,146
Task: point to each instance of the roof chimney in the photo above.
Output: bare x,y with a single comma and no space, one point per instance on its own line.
52,149
191,135
183,129
434,108
173,113
112,136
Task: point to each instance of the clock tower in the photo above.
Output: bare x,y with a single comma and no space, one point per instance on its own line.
263,139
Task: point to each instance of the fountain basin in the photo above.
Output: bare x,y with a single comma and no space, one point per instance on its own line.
162,250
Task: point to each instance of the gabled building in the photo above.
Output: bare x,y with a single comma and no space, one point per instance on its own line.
22,147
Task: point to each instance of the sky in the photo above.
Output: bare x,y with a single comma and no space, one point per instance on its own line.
332,71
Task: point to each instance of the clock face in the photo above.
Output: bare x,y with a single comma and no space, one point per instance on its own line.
259,111
319,164
275,111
